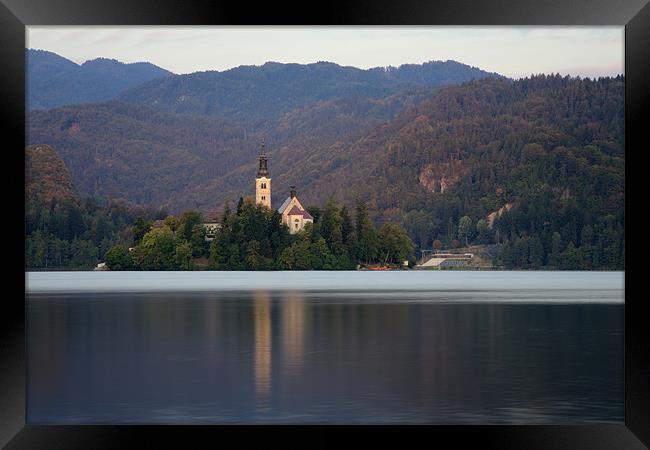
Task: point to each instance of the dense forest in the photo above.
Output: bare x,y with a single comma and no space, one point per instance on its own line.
62,231
547,149
253,238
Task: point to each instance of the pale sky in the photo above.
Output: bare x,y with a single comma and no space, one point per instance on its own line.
511,51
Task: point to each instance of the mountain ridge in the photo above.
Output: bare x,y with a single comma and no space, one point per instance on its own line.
54,81
251,93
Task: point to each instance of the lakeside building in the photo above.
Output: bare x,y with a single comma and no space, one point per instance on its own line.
293,213
211,229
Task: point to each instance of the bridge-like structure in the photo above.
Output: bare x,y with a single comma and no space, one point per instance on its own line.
433,259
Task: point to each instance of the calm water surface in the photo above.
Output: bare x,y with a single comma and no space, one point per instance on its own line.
325,347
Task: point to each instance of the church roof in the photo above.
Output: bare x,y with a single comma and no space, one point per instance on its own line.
284,205
295,211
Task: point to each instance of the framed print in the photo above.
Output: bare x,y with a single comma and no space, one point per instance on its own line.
400,220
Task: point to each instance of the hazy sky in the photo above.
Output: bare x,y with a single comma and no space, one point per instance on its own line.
511,51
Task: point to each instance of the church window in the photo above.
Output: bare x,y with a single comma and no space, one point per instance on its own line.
263,197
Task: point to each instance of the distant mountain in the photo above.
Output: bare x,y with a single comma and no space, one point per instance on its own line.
256,94
54,81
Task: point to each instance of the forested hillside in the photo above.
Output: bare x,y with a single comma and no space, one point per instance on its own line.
548,147
255,94
64,231
172,141
56,81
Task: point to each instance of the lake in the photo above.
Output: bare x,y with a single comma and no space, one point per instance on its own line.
325,347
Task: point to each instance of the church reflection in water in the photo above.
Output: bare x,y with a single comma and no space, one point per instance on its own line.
293,333
294,357
263,343
291,346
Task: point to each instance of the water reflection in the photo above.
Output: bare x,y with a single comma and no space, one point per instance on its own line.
263,346
293,333
286,357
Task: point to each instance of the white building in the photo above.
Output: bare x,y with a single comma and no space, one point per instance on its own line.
293,214
211,229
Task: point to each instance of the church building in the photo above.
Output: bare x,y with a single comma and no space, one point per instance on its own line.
293,214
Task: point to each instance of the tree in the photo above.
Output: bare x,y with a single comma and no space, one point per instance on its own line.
234,257
197,242
555,256
183,256
298,256
140,228
219,250
157,251
571,260
535,252
315,212
396,245
451,231
187,222
347,229
367,240
321,257
331,228
437,244
119,258
253,259
464,229
172,223
483,232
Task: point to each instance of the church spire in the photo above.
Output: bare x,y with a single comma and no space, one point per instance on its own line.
263,170
263,181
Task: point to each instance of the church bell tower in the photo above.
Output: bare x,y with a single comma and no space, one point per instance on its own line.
263,181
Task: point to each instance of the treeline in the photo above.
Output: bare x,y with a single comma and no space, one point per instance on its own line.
172,244
66,233
253,238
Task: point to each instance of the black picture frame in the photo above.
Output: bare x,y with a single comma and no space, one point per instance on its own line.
15,15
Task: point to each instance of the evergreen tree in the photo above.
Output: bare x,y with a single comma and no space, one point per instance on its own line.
119,258
396,245
367,239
